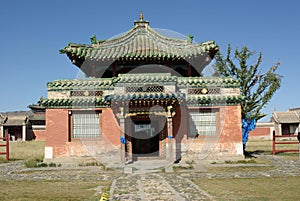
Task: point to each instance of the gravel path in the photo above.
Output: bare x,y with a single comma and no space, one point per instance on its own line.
156,187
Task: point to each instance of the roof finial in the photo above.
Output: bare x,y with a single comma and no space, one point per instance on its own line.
141,17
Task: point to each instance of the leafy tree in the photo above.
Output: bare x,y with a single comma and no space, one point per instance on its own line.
257,87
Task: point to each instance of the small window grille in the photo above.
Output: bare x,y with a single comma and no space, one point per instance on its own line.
87,93
202,123
146,88
85,124
203,91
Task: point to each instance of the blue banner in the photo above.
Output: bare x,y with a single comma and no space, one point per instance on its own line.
247,126
122,140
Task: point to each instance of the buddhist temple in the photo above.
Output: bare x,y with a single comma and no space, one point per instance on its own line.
144,98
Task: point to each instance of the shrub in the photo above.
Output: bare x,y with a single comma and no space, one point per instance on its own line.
31,163
52,164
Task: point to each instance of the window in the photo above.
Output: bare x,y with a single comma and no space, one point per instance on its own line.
202,123
146,88
85,124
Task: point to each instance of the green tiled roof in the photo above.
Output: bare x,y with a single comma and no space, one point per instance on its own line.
74,102
176,87
214,100
152,78
204,81
139,43
108,83
146,96
81,84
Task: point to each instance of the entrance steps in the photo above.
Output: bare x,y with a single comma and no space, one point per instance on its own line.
148,166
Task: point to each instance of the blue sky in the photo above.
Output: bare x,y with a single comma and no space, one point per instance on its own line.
32,32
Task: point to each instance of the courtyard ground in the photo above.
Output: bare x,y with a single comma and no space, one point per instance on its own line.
262,176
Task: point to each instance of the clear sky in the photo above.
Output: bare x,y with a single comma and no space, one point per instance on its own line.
32,32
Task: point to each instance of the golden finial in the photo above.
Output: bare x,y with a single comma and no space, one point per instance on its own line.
141,17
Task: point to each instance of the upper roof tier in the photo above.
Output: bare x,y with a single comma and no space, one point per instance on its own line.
141,43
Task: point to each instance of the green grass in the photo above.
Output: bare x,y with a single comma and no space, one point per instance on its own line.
239,169
36,163
50,190
265,147
25,150
93,163
259,146
251,161
264,188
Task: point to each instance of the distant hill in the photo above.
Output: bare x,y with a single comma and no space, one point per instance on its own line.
17,113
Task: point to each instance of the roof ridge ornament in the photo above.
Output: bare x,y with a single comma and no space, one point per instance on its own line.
141,22
190,38
141,17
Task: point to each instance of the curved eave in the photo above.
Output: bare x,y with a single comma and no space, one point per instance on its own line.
145,96
139,43
78,56
104,83
74,102
225,82
214,100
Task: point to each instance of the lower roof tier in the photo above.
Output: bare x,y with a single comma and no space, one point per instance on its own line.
142,89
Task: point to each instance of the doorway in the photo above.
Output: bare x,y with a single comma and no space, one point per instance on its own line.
145,138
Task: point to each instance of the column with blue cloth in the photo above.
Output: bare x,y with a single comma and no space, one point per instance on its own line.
247,126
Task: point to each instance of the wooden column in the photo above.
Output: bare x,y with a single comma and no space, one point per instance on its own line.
1,131
93,70
114,72
170,139
279,129
189,70
24,132
128,156
122,134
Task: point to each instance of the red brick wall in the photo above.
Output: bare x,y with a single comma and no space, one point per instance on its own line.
232,127
180,123
57,134
57,123
110,126
261,132
227,143
39,134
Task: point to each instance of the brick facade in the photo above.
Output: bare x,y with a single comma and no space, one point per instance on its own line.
226,142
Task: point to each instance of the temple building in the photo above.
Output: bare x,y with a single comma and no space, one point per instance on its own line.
24,125
144,98
14,125
287,123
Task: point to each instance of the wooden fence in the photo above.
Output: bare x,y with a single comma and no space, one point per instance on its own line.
275,151
6,138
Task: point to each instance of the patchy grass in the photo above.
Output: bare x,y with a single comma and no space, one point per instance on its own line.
189,165
93,163
265,147
259,146
51,190
264,188
231,169
36,163
289,156
20,150
251,161
180,168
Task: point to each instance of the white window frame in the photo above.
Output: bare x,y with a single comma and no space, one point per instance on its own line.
203,122
85,124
